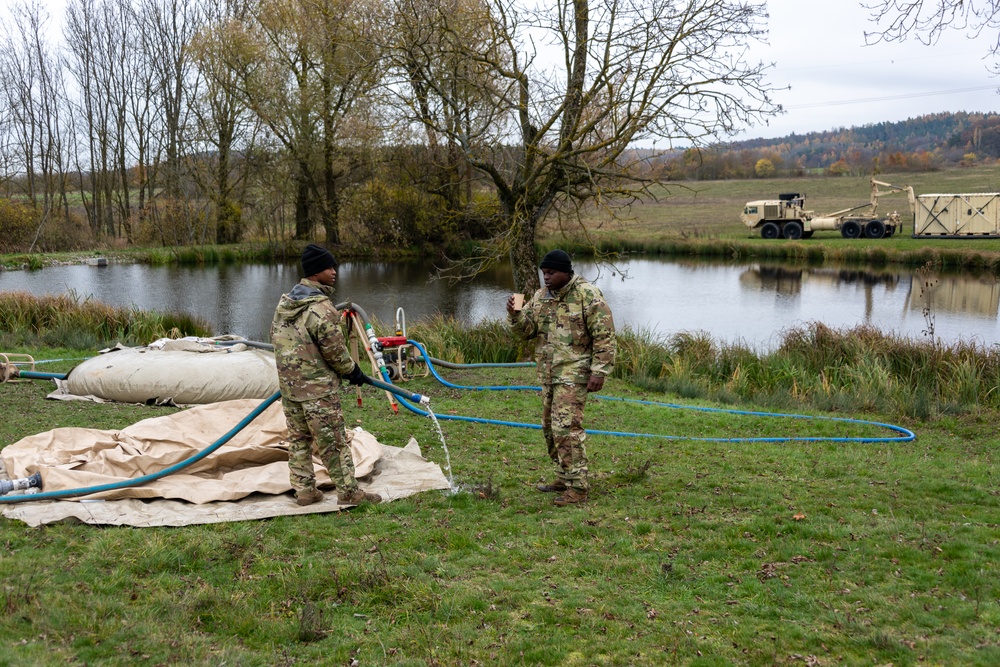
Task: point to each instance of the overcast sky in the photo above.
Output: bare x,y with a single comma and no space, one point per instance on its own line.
818,48
836,81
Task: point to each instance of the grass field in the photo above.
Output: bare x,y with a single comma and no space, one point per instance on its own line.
689,552
694,217
710,210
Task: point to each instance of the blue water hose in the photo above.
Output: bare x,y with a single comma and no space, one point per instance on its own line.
418,360
47,361
36,375
138,481
905,435
406,397
437,376
493,364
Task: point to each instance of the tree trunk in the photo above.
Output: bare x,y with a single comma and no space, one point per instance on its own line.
330,205
303,223
126,195
524,256
228,223
331,212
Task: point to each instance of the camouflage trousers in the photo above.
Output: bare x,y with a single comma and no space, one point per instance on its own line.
317,426
562,426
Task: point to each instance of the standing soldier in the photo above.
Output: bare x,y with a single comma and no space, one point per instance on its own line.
312,357
575,346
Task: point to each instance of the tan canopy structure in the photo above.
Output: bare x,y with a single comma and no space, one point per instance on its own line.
245,478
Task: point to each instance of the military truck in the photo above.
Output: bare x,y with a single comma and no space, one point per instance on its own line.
787,218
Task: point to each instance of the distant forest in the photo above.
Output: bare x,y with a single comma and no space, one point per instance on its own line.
926,143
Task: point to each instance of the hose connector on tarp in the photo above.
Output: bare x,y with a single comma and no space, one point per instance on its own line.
22,484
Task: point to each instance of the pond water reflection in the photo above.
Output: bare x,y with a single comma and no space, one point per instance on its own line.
750,303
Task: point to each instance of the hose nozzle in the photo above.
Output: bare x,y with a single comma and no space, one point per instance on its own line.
22,484
392,389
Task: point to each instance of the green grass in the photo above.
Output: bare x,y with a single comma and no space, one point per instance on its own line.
70,321
689,552
210,254
695,218
814,365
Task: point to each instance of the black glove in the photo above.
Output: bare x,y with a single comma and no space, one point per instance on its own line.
356,376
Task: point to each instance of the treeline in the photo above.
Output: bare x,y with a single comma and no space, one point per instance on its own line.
204,121
373,122
926,143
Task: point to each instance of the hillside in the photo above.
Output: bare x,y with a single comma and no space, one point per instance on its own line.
924,143
950,135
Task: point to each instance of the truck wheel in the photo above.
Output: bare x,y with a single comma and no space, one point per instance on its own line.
850,229
874,229
792,230
769,230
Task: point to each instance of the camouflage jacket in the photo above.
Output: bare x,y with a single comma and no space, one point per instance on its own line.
309,345
574,332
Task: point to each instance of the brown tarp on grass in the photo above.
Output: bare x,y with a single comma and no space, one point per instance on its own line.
248,473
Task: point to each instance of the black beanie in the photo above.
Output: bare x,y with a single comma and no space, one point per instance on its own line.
557,260
316,259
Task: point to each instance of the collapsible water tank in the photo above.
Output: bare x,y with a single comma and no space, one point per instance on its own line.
186,371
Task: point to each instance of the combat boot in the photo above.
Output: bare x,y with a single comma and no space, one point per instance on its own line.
557,486
308,496
570,497
357,497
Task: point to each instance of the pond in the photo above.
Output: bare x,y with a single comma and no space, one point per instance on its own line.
734,302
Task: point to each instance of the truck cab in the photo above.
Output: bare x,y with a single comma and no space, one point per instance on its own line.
772,216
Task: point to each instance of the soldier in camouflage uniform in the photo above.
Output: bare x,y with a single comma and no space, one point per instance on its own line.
312,356
575,347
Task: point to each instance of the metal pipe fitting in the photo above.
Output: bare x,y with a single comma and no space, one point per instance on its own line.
22,484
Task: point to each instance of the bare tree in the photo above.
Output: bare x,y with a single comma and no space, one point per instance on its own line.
113,79
19,81
224,122
927,21
33,89
168,26
82,32
348,69
303,67
547,99
421,39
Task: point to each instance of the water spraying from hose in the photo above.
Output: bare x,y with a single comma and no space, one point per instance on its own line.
444,445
